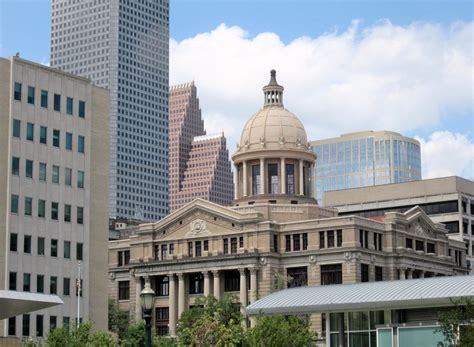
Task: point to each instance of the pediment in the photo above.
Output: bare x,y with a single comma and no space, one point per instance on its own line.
420,223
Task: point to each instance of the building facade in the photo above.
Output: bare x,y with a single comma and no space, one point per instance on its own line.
124,46
364,159
274,230
53,191
199,163
447,200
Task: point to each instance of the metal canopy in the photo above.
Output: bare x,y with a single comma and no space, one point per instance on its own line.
13,303
415,293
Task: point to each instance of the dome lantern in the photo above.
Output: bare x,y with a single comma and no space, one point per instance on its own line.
273,92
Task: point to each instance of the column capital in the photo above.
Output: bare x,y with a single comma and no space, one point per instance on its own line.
206,274
215,272
242,271
180,276
170,275
253,270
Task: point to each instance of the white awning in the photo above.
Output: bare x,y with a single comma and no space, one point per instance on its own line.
13,303
415,293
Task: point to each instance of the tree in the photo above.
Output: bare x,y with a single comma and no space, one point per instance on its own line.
211,322
119,319
457,324
78,337
280,331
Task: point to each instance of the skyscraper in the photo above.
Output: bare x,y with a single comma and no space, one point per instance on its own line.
199,163
123,46
53,193
365,158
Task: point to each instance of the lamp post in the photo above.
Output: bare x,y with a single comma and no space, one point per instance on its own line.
146,300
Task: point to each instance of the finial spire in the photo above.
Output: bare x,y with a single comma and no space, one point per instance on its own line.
273,92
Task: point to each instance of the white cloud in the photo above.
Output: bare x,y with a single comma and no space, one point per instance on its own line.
384,76
447,154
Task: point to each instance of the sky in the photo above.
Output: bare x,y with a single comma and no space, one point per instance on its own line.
405,66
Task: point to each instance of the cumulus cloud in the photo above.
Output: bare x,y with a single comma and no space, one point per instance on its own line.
378,77
447,154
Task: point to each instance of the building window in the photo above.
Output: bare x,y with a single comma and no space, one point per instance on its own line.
82,108
79,254
57,102
67,213
124,290
13,242
331,274
190,249
30,131
255,179
52,322
408,243
241,242
66,320
288,243
226,246
322,240
206,245
66,286
29,168
290,179
67,249
17,91
26,325
14,203
67,176
233,245
26,282
296,242
80,179
162,285
54,210
12,281
42,172
80,215
196,283
44,98
273,178
339,238
28,206
39,325
420,246
27,244
378,241
80,144
364,273
55,174
69,103
54,247
40,245
15,166
232,281
197,248
330,236
297,276
53,285
43,135
79,287
430,247
162,321
305,241
364,238
123,258
41,208
31,95
164,251
40,283
12,326
171,248
16,131
69,141
56,137
378,273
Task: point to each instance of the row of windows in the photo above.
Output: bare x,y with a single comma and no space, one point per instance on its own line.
420,245
298,241
44,100
43,136
42,172
25,331
40,247
364,240
40,284
41,209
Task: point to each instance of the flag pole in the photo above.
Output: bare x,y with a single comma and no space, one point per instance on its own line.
78,286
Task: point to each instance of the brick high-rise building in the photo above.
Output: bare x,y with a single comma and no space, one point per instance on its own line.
199,165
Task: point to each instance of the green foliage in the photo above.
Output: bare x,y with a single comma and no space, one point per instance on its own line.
280,331
280,281
135,335
211,322
79,337
164,341
119,319
457,324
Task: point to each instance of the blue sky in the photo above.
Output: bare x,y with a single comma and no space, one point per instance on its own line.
419,37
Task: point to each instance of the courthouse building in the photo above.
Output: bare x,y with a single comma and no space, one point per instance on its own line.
274,229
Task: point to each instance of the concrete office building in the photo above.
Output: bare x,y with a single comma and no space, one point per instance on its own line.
447,200
123,46
199,163
275,227
53,193
364,159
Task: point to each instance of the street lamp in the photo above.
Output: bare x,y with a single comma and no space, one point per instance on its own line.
146,300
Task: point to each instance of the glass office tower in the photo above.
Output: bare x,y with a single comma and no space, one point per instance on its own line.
365,159
123,45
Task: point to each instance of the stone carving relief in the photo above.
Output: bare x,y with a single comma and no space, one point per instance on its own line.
198,226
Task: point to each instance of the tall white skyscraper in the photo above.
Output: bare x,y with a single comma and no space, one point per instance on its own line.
123,45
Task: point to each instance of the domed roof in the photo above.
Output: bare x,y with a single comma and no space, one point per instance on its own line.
273,127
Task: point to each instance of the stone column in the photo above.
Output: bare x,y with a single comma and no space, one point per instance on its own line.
206,283
253,291
244,179
422,273
262,176
217,284
282,176
181,295
236,181
243,290
138,306
301,178
402,272
312,182
172,305
410,274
